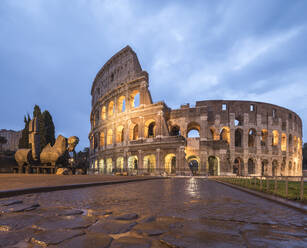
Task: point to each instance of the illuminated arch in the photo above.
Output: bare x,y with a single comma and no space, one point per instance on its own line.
225,134
264,137
102,139
119,134
170,163
133,97
121,104
111,108
283,144
110,137
150,128
214,135
103,113
109,166
275,137
149,163
120,164
133,163
133,131
213,166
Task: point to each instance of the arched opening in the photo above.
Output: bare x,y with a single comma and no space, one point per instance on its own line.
193,163
238,137
149,163
290,169
132,164
102,167
109,166
135,99
120,134
238,167
110,137
225,134
121,104
213,166
150,128
214,135
102,139
299,145
133,131
251,137
290,140
295,143
264,167
96,140
193,130
283,164
103,113
120,164
193,133
96,168
175,131
96,118
111,108
264,137
170,163
274,168
238,121
275,137
283,144
251,166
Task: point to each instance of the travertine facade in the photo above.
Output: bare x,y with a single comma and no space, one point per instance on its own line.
235,137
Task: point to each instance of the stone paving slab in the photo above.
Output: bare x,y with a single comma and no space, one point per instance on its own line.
20,181
19,184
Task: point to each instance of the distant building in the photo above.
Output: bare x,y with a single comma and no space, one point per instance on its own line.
12,139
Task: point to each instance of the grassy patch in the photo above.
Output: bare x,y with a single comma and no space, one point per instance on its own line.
268,186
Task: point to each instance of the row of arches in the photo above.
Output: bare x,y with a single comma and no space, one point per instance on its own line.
133,134
119,106
193,130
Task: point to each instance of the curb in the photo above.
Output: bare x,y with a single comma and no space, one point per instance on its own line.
298,206
15,192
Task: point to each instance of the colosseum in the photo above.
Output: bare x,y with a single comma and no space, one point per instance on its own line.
132,134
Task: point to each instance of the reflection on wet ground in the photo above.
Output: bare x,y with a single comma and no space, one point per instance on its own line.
175,212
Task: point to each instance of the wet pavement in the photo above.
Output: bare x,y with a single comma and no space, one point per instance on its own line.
177,212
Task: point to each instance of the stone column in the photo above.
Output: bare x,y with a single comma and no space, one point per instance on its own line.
158,164
203,128
125,160
140,162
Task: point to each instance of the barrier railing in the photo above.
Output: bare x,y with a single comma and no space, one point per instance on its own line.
290,187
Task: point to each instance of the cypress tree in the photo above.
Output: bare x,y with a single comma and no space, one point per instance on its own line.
48,131
24,139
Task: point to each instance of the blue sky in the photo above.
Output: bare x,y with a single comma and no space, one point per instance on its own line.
50,52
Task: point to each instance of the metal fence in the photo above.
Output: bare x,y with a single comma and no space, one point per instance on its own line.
291,187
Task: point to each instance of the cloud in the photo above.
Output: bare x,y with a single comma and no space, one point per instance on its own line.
50,52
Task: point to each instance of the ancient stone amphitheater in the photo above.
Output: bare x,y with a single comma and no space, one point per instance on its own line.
130,133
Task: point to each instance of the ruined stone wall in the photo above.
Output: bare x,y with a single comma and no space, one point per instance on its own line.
235,137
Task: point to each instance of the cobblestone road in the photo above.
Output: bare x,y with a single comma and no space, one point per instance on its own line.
176,212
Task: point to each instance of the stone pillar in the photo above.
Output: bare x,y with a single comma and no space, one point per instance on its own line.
140,162
125,160
141,127
158,162
203,128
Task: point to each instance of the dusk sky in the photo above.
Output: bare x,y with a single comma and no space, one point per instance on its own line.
51,50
